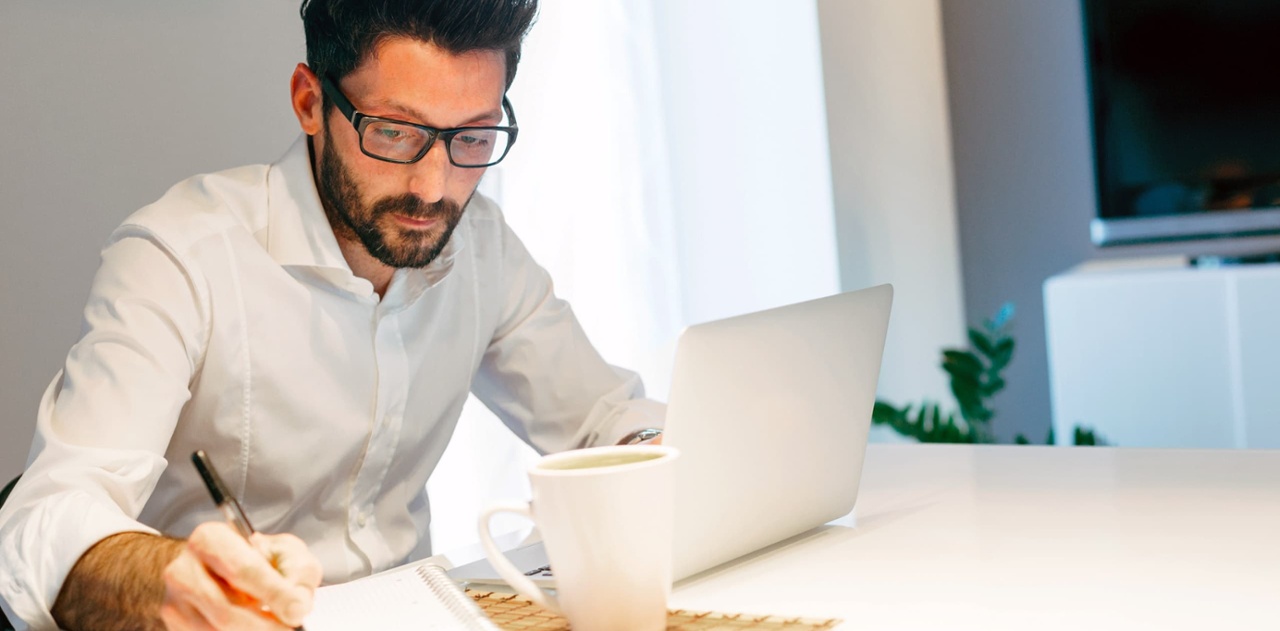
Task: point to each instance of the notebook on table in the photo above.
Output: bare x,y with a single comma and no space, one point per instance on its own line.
770,411
422,598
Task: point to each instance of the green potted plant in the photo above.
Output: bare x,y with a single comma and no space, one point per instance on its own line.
977,375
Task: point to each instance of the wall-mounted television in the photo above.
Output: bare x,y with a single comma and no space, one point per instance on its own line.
1185,107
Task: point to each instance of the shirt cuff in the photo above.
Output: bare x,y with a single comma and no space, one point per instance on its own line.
40,543
630,416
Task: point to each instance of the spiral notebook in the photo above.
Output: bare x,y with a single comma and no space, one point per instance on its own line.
420,598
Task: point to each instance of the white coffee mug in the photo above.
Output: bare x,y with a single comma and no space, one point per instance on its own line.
605,515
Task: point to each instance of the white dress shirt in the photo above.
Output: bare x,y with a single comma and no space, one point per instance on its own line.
225,318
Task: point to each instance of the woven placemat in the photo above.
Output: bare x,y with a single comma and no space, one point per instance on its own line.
514,613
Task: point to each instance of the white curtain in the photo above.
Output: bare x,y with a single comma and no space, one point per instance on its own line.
586,188
649,181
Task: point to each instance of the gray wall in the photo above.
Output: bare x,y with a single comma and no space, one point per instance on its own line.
103,106
1023,172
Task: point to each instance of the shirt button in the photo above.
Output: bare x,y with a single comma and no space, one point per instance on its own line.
362,519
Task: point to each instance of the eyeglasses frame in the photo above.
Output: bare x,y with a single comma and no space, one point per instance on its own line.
360,121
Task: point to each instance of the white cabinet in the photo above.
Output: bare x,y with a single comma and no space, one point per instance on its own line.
1156,353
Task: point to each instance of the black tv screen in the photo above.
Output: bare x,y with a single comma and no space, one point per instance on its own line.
1185,105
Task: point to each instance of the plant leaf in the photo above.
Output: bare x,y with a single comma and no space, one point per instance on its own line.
1003,354
883,413
996,384
966,388
957,362
983,343
1085,436
976,413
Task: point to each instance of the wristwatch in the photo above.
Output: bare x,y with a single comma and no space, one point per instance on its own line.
640,435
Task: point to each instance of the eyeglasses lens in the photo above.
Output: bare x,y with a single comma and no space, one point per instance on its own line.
467,147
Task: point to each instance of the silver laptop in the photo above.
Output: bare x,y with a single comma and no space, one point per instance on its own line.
770,411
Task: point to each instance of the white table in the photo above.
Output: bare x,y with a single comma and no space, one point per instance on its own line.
1018,537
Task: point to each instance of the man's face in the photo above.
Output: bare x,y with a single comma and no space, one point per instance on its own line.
404,214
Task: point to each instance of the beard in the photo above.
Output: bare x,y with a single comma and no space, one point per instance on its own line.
386,239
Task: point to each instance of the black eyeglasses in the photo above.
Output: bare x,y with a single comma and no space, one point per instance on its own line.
396,141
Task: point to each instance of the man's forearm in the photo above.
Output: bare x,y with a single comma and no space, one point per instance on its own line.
117,585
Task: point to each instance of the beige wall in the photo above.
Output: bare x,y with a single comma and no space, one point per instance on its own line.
103,106
892,178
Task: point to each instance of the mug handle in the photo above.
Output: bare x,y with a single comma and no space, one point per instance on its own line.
514,577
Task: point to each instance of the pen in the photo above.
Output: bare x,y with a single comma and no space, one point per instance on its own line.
226,502
223,498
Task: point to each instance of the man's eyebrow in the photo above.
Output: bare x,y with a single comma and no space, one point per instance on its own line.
413,115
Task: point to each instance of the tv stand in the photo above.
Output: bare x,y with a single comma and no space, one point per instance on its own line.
1163,353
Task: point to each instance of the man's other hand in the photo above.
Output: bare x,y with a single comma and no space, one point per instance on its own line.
222,581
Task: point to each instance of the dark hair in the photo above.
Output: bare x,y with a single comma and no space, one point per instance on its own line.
341,34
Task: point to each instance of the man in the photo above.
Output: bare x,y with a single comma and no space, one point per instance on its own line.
315,326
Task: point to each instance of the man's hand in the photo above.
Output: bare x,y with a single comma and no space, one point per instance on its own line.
215,580
221,581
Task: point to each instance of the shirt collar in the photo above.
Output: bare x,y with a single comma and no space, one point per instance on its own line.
299,234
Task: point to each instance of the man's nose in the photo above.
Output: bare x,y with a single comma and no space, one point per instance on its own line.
430,173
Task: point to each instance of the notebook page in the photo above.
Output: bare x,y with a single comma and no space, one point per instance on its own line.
398,600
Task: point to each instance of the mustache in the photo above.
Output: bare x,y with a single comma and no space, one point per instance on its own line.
412,206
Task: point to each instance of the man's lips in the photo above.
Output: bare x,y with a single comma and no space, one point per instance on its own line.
419,223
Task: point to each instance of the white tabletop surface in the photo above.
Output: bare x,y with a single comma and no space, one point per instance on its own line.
1020,537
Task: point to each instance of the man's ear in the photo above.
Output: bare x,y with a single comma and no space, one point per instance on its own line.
307,99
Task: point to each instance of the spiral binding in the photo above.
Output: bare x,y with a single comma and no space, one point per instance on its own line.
454,599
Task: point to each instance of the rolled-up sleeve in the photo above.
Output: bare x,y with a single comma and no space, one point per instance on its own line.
542,376
103,424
